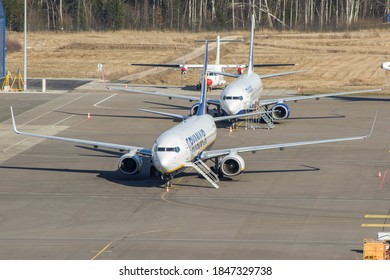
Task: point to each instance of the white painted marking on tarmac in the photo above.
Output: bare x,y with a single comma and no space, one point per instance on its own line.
10,147
34,119
53,126
105,99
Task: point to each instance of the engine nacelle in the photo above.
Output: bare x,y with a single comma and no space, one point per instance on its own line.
232,165
280,111
194,109
130,164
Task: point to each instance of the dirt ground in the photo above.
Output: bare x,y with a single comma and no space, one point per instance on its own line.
332,61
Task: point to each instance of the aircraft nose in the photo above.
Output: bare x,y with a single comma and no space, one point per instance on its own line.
162,164
231,107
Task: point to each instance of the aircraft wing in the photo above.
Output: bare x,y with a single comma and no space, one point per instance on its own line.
316,96
216,119
168,65
157,65
175,116
223,152
169,95
95,144
274,64
266,76
225,118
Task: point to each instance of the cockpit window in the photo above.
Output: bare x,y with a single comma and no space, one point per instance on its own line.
233,98
168,149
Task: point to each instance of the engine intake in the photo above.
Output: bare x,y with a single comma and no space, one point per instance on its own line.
130,164
280,111
232,165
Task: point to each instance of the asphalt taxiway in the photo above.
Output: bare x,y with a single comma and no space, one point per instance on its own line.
61,201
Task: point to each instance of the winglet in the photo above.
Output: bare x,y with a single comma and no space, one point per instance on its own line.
203,98
373,125
250,58
13,121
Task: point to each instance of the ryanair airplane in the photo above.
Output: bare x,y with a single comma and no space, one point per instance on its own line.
244,94
213,79
187,145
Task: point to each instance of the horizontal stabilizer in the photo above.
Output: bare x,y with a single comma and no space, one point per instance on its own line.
266,76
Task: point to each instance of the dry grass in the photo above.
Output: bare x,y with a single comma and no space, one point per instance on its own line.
333,61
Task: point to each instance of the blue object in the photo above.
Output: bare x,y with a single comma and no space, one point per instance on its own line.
2,41
388,17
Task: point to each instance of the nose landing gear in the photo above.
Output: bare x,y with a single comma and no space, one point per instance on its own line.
168,178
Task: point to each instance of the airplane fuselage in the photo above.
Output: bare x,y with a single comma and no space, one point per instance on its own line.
183,143
215,79
241,95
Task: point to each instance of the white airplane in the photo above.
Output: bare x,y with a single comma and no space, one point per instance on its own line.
214,79
186,145
244,93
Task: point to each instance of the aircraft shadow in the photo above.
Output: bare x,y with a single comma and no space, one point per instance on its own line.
361,98
117,116
334,116
111,176
306,169
167,105
121,179
184,87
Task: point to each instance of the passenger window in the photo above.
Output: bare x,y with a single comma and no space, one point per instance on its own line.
160,149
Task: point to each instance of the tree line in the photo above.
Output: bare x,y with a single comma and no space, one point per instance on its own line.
194,15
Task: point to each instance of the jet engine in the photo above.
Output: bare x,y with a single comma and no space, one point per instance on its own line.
232,165
280,111
194,109
130,164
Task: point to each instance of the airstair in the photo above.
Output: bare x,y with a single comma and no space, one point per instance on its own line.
205,171
254,121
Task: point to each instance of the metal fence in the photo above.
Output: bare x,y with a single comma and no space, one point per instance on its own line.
2,41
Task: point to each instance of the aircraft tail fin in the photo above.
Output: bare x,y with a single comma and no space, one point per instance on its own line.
203,96
219,41
250,58
218,51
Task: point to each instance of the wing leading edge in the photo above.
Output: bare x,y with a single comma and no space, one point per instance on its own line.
95,144
316,96
223,152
